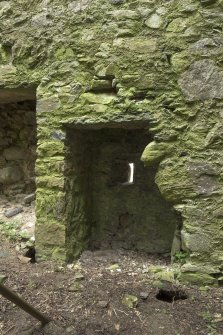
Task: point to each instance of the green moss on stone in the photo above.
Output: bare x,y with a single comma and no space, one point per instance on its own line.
155,152
197,278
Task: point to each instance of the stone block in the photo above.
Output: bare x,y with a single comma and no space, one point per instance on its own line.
50,149
101,98
124,14
154,22
15,153
154,152
196,242
13,211
47,105
10,175
139,45
202,81
78,5
197,278
29,198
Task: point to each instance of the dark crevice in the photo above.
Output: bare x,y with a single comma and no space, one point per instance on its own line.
104,90
138,97
171,295
31,253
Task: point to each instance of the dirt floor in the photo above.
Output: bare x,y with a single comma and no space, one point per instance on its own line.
89,297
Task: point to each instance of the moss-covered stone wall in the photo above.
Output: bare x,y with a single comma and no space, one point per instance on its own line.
121,60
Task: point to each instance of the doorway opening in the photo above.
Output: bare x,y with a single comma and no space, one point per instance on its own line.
17,157
112,199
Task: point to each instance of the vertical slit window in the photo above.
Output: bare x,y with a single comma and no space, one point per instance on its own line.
131,173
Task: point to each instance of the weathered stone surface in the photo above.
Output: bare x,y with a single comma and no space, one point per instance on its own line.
78,5
207,46
125,14
47,105
154,152
13,211
40,20
138,45
178,25
202,81
2,279
199,268
29,198
10,175
144,295
197,278
14,153
17,94
196,242
100,98
154,22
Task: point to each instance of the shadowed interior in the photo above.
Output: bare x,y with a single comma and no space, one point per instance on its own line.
105,209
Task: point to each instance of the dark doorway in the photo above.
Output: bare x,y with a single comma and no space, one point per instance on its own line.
113,201
17,144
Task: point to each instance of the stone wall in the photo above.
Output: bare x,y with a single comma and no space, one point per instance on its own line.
17,148
119,60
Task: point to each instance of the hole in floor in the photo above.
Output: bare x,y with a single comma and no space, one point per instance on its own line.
171,295
31,253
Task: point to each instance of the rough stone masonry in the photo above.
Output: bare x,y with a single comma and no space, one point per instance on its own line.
111,62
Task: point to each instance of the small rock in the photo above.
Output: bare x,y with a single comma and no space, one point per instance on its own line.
2,279
24,259
75,287
71,329
165,275
154,22
130,301
3,254
13,211
58,135
29,198
78,276
218,317
17,248
114,267
103,304
22,246
144,295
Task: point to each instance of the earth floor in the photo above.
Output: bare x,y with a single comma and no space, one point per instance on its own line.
89,297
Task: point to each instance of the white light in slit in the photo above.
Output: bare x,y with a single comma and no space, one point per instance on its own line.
131,172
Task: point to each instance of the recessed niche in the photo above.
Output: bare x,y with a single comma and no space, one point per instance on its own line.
103,212
17,142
